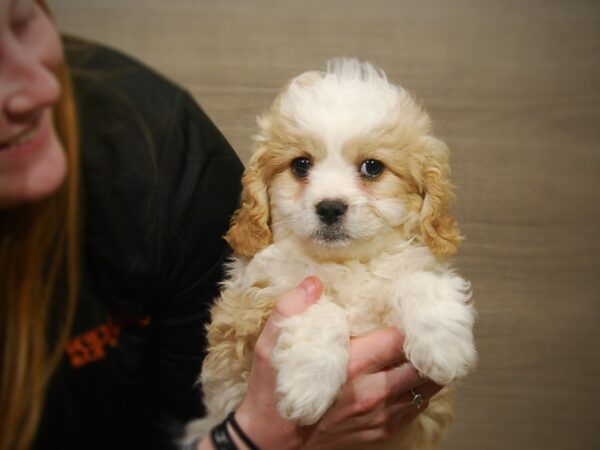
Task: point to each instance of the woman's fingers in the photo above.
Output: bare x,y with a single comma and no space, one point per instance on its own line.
375,351
377,379
384,396
376,422
426,391
386,385
373,390
290,304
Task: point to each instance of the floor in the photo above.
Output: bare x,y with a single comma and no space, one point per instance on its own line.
513,87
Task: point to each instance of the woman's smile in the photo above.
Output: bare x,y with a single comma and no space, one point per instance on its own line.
28,139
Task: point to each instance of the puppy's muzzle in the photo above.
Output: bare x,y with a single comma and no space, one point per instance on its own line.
331,211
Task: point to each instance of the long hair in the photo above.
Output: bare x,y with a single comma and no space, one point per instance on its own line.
38,288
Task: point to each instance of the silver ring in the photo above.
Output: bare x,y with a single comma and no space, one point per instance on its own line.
417,399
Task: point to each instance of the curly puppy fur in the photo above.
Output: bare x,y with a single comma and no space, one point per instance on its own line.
348,184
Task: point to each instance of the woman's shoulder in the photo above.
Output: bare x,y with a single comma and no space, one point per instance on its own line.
120,98
159,180
96,67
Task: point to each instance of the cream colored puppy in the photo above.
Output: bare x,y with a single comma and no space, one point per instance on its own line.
348,184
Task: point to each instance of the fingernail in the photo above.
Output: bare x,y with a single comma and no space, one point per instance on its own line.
311,287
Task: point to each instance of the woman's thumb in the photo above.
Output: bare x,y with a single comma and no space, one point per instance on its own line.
292,303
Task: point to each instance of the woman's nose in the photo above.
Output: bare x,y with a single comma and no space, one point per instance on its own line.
30,85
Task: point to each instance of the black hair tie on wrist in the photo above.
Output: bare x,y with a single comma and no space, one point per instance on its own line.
220,437
243,436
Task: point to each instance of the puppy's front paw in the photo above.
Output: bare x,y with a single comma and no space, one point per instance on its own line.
437,318
311,358
441,356
309,385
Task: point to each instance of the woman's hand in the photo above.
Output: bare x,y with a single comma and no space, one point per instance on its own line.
374,403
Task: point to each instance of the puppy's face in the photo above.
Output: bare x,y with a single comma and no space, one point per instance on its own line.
339,196
344,160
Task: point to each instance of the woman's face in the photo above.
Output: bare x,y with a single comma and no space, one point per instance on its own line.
32,160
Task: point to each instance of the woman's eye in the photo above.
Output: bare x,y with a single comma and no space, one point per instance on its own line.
22,15
301,166
371,168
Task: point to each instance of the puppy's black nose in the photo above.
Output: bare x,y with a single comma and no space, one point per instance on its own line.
330,211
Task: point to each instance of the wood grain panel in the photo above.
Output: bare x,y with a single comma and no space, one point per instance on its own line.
514,89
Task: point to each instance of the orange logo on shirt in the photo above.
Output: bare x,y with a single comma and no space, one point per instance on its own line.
91,345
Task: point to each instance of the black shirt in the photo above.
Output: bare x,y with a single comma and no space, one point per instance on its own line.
159,184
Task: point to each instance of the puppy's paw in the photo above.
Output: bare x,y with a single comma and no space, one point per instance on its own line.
311,359
307,390
437,318
441,355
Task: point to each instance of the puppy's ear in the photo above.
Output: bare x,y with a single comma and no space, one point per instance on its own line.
249,232
438,228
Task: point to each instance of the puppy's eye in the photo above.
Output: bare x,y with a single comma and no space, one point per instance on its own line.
371,168
301,166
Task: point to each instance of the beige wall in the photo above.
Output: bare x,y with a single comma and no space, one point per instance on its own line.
514,89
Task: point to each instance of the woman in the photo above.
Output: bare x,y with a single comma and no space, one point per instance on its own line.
114,191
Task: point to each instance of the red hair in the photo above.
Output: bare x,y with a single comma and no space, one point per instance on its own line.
38,288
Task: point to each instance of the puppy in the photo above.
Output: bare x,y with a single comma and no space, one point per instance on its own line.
348,184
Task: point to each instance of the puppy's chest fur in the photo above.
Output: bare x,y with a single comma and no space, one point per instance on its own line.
364,289
359,291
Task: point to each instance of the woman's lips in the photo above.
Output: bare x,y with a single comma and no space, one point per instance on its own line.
20,138
26,141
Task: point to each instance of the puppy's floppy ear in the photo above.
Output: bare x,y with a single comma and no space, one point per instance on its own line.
249,232
438,228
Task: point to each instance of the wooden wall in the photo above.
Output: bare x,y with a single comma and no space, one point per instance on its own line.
514,89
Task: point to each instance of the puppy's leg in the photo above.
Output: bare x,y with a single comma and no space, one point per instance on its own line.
237,319
197,429
311,358
224,382
437,318
427,430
